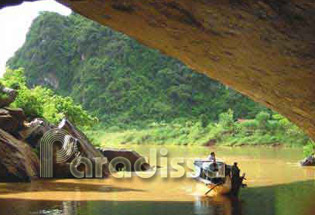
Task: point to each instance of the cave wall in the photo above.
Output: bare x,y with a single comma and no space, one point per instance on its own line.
264,49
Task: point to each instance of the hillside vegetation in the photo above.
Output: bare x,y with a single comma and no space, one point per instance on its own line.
139,95
41,102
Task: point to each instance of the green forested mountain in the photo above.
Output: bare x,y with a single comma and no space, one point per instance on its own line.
139,95
118,79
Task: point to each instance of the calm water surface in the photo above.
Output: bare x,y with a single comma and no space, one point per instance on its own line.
276,185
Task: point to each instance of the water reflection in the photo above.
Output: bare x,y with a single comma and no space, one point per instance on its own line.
70,208
277,186
217,206
201,206
289,199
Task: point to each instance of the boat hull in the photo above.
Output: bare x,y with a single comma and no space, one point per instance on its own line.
216,190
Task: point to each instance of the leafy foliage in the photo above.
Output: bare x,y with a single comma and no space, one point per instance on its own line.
227,132
309,148
43,102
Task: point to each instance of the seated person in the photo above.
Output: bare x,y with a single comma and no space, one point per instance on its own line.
211,157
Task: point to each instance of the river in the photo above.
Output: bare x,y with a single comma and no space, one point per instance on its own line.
276,185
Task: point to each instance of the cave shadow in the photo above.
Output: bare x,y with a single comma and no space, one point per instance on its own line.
292,198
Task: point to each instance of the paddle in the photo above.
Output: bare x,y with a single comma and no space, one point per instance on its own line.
212,188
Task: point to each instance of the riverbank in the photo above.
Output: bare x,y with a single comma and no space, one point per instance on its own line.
269,132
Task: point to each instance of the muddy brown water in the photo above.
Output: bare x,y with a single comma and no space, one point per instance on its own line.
276,185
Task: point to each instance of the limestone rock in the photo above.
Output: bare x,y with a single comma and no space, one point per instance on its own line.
85,148
12,119
18,162
8,96
130,155
33,131
17,113
309,161
8,123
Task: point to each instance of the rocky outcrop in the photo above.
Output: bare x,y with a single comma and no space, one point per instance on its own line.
19,140
84,149
133,157
11,120
8,96
18,162
7,122
33,131
88,150
263,49
309,161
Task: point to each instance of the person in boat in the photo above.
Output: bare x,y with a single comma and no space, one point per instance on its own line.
235,171
237,180
211,157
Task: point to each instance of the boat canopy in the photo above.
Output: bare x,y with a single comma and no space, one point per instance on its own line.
210,169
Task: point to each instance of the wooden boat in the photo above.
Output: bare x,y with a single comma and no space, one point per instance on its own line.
214,177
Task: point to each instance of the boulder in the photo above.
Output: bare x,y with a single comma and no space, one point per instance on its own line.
18,162
17,113
33,131
88,149
8,123
12,119
309,161
130,155
84,149
8,96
